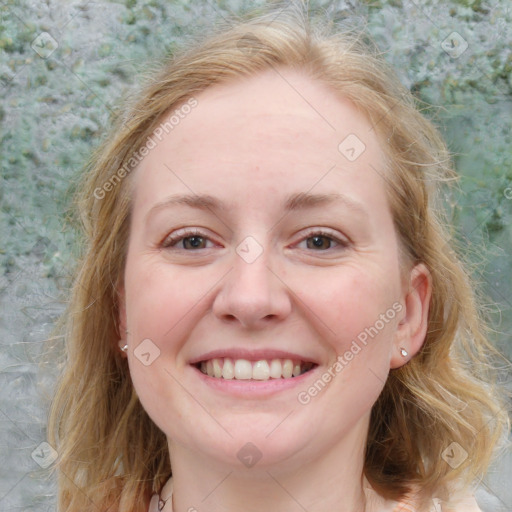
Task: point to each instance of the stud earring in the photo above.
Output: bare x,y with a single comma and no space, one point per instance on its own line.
123,345
404,352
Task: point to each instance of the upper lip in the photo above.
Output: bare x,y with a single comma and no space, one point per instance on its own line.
252,355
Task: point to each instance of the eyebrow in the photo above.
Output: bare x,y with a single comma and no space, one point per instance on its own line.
305,200
298,201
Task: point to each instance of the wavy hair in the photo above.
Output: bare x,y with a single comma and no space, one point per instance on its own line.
111,454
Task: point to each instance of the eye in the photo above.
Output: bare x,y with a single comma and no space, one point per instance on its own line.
322,241
187,240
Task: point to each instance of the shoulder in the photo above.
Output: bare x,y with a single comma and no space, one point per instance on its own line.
162,502
456,502
465,503
153,504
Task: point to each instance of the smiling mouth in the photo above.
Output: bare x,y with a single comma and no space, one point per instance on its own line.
243,369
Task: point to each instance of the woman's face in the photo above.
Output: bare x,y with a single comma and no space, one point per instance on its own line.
262,246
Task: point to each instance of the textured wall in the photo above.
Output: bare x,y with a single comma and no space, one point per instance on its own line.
63,67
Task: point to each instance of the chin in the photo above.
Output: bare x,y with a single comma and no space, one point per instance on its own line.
254,444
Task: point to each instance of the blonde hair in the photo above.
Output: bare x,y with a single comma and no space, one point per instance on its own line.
110,451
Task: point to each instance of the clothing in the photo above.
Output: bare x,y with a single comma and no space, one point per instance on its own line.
464,504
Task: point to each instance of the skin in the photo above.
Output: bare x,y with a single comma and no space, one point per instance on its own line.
251,144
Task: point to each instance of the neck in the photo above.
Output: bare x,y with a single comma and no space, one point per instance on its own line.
333,481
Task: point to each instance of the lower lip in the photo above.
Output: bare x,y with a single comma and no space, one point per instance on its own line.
254,388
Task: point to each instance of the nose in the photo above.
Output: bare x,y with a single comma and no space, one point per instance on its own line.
252,295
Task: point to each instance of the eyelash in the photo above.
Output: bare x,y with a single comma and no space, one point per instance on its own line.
171,240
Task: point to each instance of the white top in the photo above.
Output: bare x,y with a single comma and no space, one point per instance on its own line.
465,503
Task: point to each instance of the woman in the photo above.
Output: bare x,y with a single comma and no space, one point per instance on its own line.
268,308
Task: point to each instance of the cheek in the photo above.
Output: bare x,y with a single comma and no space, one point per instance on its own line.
160,298
351,300
354,313
162,305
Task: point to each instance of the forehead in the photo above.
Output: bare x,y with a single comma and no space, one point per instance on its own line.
267,129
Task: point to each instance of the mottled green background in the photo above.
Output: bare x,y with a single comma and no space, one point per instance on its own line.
56,106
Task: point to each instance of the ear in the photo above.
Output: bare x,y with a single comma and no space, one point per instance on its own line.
412,328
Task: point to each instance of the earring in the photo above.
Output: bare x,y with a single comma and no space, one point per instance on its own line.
404,352
123,345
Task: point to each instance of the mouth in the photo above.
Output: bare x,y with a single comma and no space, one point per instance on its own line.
261,370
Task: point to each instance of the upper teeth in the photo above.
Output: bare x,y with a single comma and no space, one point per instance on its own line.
242,369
